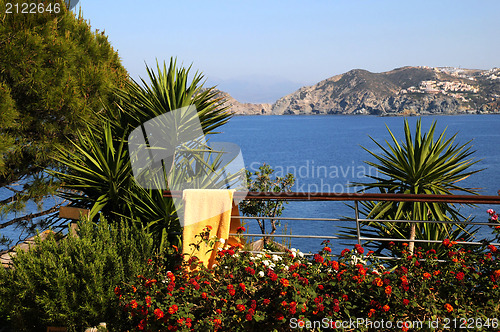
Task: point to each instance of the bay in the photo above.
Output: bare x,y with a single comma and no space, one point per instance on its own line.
324,153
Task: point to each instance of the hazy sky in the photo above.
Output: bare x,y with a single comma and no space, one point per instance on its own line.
259,51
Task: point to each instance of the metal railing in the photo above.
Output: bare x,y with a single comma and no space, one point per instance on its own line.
361,197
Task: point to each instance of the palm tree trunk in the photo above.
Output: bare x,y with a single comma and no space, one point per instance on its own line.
411,246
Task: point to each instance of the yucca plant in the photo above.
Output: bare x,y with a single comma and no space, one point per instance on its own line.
419,165
99,175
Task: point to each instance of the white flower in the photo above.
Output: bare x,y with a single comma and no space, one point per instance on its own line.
376,272
276,258
285,268
221,240
294,254
261,274
214,266
301,254
236,255
355,260
266,262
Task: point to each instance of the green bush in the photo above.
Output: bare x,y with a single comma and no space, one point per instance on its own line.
70,282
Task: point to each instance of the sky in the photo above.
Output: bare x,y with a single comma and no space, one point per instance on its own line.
259,51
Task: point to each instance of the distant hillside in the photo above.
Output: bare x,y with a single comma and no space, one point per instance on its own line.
402,91
244,108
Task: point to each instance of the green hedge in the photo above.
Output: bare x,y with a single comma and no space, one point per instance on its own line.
70,282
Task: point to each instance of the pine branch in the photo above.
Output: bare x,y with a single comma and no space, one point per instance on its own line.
30,216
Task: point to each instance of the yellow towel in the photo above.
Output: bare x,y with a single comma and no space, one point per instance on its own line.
208,207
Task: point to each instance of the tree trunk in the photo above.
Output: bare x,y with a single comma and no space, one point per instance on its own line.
411,246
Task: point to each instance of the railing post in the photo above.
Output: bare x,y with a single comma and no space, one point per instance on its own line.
358,228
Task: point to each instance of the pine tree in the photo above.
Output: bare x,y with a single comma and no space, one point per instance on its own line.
56,74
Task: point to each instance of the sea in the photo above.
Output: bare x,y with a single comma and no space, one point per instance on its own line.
326,154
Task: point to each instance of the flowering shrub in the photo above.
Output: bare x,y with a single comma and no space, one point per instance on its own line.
246,292
494,219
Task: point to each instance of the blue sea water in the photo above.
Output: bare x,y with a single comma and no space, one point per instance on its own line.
325,154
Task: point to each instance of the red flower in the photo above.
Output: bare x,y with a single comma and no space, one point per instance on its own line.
378,282
148,301
172,310
159,314
388,290
406,301
240,307
492,248
230,289
284,282
242,286
335,265
427,275
359,249
460,275
385,308
249,270
327,249
171,276
345,251
217,321
279,316
371,312
142,325
318,258
134,304
240,230
204,295
150,282
272,275
266,301
448,307
209,227
248,317
117,291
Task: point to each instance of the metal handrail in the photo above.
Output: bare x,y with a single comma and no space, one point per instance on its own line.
298,196
357,197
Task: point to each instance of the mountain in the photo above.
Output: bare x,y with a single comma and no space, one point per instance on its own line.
244,108
402,91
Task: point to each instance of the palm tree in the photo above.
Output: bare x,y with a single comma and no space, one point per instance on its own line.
99,175
419,165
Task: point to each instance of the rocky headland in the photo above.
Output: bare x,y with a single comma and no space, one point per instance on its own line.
402,91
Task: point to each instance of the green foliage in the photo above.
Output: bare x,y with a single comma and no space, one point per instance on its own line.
261,181
169,89
55,76
252,292
70,282
99,175
419,165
